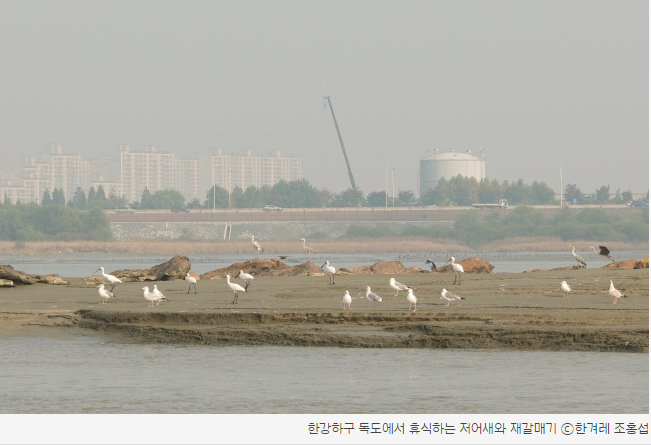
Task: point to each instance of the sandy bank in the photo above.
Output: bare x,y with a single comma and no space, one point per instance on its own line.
510,311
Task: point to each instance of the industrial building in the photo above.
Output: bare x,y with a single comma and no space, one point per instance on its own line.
437,165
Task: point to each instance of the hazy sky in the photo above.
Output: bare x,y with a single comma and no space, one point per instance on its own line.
530,82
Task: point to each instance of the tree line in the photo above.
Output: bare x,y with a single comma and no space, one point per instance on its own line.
458,191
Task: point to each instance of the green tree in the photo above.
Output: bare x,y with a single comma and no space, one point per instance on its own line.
572,193
349,198
101,195
541,194
79,199
376,199
489,191
627,195
58,197
406,197
47,198
220,195
92,197
236,197
166,199
145,199
518,193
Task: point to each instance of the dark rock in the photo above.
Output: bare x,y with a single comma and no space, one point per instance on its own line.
174,269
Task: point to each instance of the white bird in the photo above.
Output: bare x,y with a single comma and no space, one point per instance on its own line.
330,272
307,249
105,294
397,286
149,296
192,281
246,277
450,296
578,257
373,297
565,288
603,251
236,288
411,298
458,269
615,293
113,280
256,245
158,294
346,300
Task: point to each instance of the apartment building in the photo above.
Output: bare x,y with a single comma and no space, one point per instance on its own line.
145,169
243,171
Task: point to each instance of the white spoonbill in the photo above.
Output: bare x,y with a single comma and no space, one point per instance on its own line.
458,269
307,249
236,288
372,296
603,251
450,296
256,245
113,280
330,272
397,286
578,257
246,277
615,293
105,294
192,281
346,300
411,298
565,288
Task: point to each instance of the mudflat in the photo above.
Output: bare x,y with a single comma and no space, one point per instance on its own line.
525,311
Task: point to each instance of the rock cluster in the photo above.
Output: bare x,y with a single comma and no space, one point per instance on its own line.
12,277
174,269
470,265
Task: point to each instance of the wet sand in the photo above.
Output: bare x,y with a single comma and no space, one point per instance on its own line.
519,311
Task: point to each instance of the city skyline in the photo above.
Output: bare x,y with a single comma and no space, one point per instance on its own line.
533,84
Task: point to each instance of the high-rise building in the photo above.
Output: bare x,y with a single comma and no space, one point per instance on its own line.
186,178
145,169
244,171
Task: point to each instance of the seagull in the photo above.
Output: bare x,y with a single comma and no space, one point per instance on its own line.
565,288
256,245
246,277
431,264
458,269
578,257
159,295
397,286
411,298
236,288
603,251
149,296
307,249
113,280
105,294
346,300
192,281
615,293
373,297
450,296
330,272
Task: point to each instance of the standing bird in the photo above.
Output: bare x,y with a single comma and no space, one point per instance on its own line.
256,245
458,269
578,257
105,294
450,296
236,288
330,272
192,281
307,249
565,288
603,251
431,264
373,297
615,293
246,277
411,298
113,280
346,300
148,296
159,295
397,286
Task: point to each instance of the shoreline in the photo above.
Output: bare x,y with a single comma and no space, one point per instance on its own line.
508,311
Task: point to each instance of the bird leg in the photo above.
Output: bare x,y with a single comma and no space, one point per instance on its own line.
234,299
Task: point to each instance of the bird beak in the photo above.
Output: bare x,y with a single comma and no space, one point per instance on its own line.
447,261
323,265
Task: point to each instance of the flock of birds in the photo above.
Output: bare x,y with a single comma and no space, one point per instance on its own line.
156,296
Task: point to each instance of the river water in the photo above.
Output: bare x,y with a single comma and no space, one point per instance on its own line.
86,265
89,374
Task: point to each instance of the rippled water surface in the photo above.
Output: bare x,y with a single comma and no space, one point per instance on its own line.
91,375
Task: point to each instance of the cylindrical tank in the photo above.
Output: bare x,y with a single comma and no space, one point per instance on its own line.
448,165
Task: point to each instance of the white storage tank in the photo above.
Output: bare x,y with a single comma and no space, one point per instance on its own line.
448,165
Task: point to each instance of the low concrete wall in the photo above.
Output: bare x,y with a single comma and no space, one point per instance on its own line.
124,231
